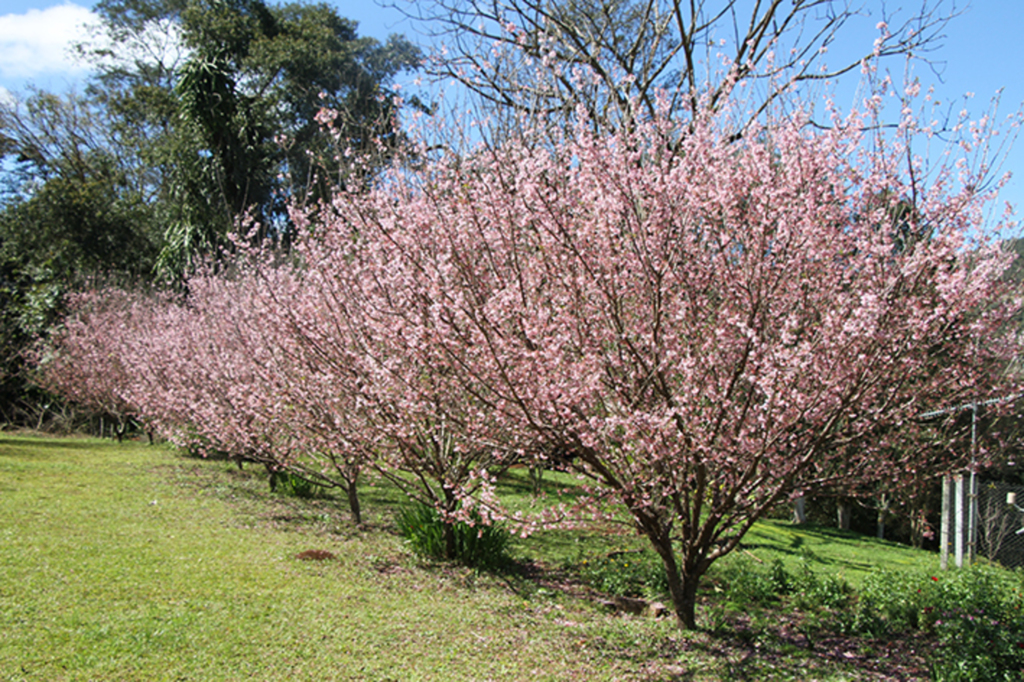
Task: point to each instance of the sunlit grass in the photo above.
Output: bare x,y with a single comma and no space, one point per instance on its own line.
112,568
833,551
826,550
131,562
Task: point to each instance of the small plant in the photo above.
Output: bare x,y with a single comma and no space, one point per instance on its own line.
833,592
779,577
288,483
756,585
825,600
891,602
626,573
477,545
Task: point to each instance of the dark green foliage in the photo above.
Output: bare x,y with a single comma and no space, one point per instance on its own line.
814,592
890,602
974,613
288,483
977,616
748,584
231,129
477,545
828,592
74,227
72,211
75,200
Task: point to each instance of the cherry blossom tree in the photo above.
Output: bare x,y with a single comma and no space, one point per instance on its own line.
224,373
711,327
423,428
520,55
82,361
217,372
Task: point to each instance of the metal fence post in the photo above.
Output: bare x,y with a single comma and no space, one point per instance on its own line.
947,494
958,520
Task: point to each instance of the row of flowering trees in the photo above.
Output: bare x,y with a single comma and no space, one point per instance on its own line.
710,326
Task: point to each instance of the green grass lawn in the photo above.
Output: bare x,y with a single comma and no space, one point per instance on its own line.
829,550
110,568
131,562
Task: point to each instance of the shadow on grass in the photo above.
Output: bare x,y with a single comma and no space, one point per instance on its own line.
556,484
829,547
29,445
327,510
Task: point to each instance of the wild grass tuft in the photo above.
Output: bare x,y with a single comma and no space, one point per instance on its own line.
477,545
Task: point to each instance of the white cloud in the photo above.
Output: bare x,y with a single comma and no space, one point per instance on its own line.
38,41
6,97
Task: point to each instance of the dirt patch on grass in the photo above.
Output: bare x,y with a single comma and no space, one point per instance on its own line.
315,555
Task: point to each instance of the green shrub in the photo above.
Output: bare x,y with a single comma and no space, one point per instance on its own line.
976,613
755,585
891,602
477,545
831,593
779,577
288,483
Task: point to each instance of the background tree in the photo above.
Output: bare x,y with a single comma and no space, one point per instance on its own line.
227,113
201,112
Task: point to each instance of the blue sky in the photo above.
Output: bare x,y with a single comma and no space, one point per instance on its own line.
983,51
34,35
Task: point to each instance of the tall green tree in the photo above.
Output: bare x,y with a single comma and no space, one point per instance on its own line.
228,110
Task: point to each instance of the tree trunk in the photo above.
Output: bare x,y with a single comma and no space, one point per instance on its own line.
449,540
883,508
800,510
918,527
684,599
353,502
844,512
536,477
682,588
449,527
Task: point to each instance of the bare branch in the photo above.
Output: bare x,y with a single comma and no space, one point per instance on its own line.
526,55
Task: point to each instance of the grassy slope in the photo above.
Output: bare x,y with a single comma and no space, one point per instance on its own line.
108,571
829,550
127,562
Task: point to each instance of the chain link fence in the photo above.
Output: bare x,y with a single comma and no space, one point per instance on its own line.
999,523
